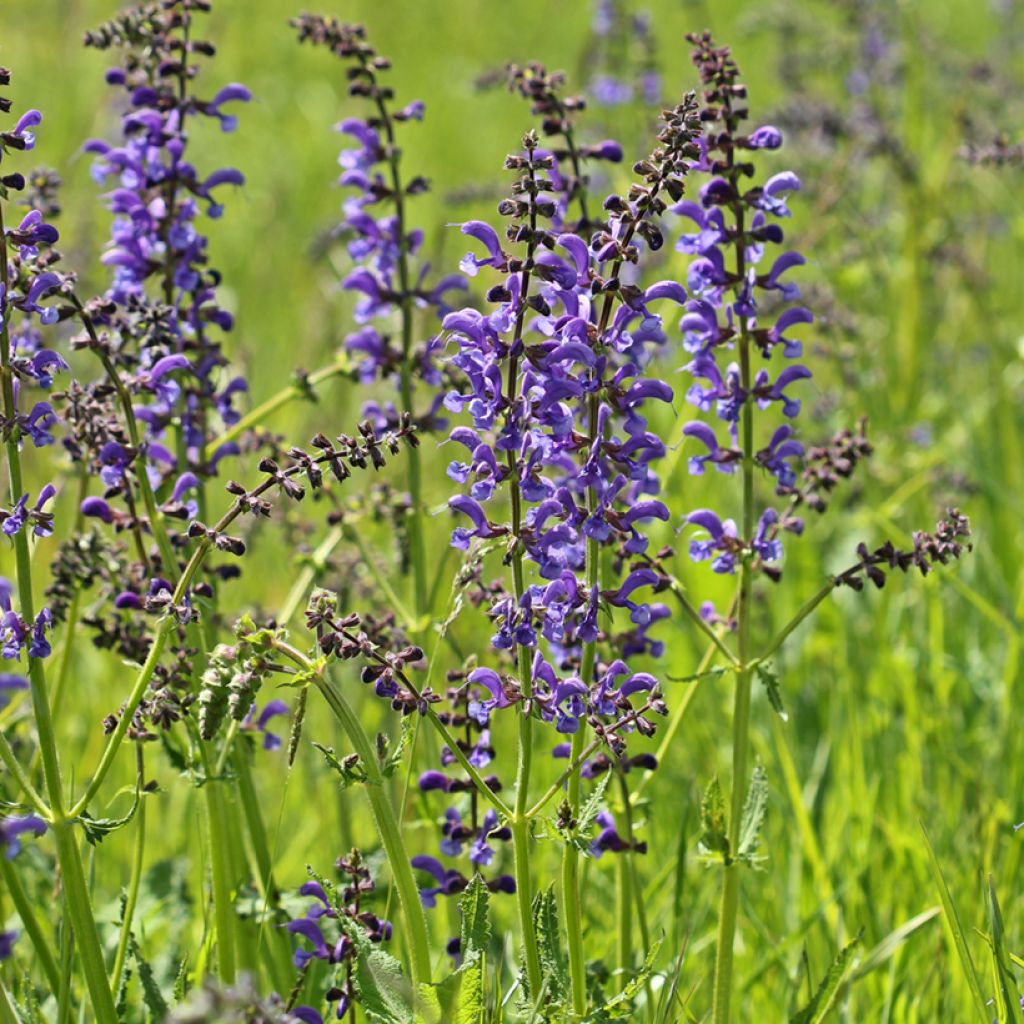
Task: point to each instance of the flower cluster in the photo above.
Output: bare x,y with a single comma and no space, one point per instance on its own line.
556,391
161,324
333,926
739,306
464,829
375,228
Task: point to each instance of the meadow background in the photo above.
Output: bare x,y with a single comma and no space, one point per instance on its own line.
905,706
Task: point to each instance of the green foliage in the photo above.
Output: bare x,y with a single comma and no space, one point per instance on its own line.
828,990
579,835
714,822
752,820
1003,982
769,678
97,829
956,930
349,768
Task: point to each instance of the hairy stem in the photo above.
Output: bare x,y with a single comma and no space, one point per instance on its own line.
741,705
138,857
417,942
79,905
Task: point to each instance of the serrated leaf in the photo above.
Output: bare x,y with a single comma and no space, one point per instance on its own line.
151,994
769,678
753,816
549,945
714,825
457,999
350,769
97,829
391,759
382,988
476,927
824,998
956,930
1007,996
620,1007
580,836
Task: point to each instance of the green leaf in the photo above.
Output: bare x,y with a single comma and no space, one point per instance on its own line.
714,825
580,835
457,999
549,944
383,991
1007,996
620,1007
181,982
151,994
885,949
97,829
824,999
769,678
956,930
350,768
476,928
753,816
391,760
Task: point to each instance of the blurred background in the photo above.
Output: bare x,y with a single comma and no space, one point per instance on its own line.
903,121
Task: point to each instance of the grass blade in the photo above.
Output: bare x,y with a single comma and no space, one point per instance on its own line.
955,928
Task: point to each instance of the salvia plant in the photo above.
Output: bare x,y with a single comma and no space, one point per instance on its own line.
486,552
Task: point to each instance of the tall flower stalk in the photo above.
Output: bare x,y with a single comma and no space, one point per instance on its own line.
383,246
739,307
25,630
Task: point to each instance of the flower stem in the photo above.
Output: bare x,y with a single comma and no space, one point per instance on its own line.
808,609
389,831
741,706
136,876
79,906
83,923
287,394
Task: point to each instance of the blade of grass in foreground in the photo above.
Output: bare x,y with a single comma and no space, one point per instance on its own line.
955,928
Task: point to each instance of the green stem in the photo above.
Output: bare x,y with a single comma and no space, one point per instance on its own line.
808,609
520,822
79,906
74,609
571,889
310,572
7,1015
287,394
741,707
17,773
380,578
120,730
41,944
389,831
223,898
414,523
83,923
684,602
132,899
280,963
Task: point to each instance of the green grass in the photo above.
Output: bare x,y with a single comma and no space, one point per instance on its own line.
904,705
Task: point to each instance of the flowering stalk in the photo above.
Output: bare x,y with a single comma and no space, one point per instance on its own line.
77,894
383,246
735,225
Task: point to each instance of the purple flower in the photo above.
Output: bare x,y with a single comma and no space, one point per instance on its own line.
12,828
